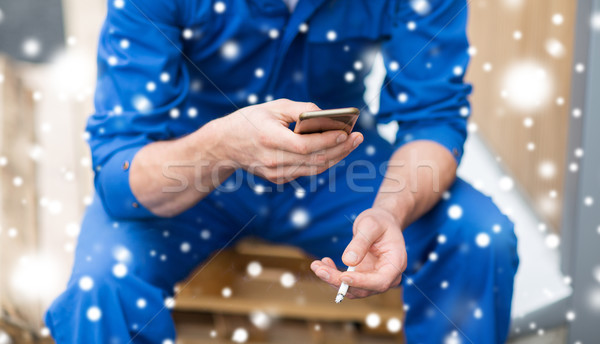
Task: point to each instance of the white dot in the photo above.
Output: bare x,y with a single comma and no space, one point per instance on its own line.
560,101
496,228
31,47
580,68
142,104
394,66
254,268
188,33
433,256
124,43
455,212
506,183
300,193
44,332
165,77
213,334
240,335
421,7
441,239
444,285
205,234
230,50
472,50
552,240
12,232
185,247
487,66
287,280
557,19
457,70
303,28
595,21
482,240
226,292
411,25
192,112
370,150
531,146
402,97
174,113
555,48
150,86
260,320
86,283
169,302
578,152
259,72
373,320
219,7
464,111
299,218
576,112
570,316
588,201
112,60
167,341
517,35
573,167
547,170
17,181
252,99
119,3
141,303
349,77
331,35
3,161
119,270
358,65
93,313
394,325
478,313
273,33
528,122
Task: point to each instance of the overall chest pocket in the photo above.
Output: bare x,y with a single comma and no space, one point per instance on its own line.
342,42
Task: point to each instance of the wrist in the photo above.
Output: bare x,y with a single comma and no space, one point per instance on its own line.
399,205
214,142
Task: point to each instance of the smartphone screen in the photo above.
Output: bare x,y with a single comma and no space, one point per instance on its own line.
324,120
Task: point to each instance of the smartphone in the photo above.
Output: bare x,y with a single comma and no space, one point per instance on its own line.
324,120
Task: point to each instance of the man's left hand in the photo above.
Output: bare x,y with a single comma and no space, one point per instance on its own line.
378,252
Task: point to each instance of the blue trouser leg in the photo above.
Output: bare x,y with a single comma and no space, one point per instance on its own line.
453,287
462,290
124,271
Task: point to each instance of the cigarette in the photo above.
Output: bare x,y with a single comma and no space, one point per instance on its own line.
343,288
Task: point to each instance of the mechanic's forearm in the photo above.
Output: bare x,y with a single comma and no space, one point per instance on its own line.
169,177
418,173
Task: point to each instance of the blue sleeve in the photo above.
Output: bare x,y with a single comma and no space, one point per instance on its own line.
141,78
425,59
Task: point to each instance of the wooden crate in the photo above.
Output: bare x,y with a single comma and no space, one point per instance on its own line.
304,313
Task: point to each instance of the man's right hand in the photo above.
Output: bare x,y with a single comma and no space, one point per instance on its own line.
258,140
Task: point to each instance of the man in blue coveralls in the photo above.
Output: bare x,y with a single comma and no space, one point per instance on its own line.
192,150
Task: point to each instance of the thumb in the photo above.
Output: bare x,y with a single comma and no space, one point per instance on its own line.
289,110
366,231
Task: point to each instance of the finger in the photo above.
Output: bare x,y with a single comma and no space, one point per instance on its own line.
289,111
326,273
310,143
378,281
366,231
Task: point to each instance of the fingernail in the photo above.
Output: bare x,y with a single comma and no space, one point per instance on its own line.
347,280
341,138
351,257
357,141
323,274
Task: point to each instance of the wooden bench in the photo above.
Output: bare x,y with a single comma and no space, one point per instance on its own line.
222,297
